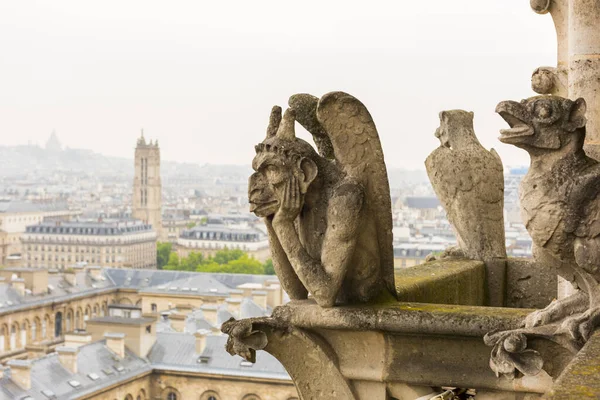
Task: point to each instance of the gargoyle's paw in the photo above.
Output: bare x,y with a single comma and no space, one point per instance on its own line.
580,327
539,317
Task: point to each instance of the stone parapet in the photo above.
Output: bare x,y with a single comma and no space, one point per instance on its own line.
446,281
395,347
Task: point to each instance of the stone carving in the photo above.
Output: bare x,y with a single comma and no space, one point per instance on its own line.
328,215
308,358
560,206
469,182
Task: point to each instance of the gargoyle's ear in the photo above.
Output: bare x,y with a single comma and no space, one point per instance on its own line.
577,118
309,173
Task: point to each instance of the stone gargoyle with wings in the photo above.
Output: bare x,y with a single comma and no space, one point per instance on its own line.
328,214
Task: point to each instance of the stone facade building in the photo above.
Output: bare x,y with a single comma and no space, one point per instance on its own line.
147,186
15,216
111,244
98,333
210,238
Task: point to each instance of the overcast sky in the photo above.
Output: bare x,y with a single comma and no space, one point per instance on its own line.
202,76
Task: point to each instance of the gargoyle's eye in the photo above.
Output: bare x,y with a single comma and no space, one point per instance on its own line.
543,110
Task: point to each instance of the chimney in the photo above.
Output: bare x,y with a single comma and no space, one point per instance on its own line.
236,294
95,272
77,339
201,340
20,373
68,358
233,306
209,313
273,297
19,285
116,343
70,277
177,321
260,298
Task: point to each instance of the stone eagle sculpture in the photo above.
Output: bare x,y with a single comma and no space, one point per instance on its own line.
328,214
469,182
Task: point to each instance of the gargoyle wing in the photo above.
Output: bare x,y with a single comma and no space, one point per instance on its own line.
357,151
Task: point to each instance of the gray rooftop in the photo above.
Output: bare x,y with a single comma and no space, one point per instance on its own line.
49,374
177,351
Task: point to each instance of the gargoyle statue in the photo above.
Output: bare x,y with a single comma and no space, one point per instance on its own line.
469,182
560,206
328,216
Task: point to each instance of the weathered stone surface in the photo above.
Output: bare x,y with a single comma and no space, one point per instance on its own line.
528,284
581,378
469,182
446,281
329,220
558,198
395,346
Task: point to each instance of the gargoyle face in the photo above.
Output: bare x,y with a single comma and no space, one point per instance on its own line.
266,186
542,122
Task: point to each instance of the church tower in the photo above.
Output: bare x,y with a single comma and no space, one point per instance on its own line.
147,188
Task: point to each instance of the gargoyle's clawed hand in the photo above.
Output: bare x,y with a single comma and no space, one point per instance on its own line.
581,326
557,310
292,202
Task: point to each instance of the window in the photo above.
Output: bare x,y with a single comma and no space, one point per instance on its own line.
154,307
209,395
172,396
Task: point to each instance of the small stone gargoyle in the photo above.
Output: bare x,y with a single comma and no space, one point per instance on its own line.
328,215
560,206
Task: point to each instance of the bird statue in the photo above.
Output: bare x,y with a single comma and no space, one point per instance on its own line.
469,182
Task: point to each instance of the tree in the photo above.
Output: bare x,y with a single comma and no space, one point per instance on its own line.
224,256
268,267
163,252
173,263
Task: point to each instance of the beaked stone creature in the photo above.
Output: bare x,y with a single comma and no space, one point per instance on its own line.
328,215
469,182
560,205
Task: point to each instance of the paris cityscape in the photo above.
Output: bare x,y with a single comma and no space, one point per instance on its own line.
155,244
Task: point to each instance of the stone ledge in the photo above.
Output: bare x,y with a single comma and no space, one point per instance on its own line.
446,281
400,317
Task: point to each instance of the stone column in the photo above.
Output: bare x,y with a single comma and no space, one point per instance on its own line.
584,65
577,74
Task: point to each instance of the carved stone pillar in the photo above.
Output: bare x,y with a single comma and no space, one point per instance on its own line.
577,74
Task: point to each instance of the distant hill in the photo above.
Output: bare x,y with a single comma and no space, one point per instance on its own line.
23,161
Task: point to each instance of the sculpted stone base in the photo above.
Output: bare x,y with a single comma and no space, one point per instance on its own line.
367,351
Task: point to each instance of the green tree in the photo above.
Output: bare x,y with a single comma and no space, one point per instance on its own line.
163,252
224,256
173,263
268,267
245,265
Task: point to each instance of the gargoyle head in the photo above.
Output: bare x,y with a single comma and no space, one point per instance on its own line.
280,157
456,129
543,123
